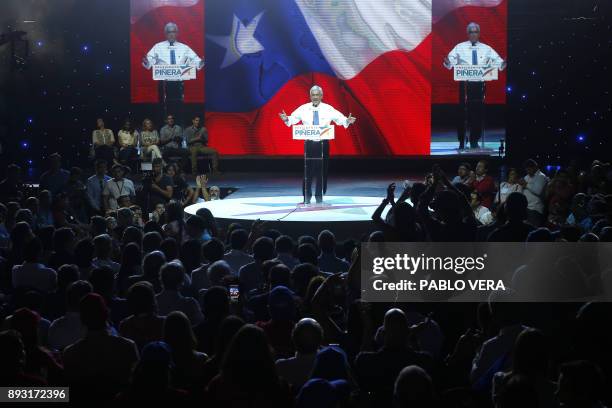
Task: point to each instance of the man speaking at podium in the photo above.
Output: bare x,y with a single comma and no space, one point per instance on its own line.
316,153
472,93
171,52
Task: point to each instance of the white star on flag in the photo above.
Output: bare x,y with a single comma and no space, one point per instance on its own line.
239,42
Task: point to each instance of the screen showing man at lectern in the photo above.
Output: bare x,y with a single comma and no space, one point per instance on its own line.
382,60
468,80
167,34
379,59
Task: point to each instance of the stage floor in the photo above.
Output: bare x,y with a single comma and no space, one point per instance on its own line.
276,184
444,143
274,198
290,209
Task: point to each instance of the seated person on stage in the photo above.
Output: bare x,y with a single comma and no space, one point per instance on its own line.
103,142
197,140
149,140
171,139
128,136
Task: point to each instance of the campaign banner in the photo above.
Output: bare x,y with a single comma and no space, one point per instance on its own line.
476,73
313,132
173,72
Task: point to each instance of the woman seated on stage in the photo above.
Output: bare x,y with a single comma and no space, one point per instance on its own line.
103,141
149,140
128,137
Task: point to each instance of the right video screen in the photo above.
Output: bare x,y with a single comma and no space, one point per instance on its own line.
468,77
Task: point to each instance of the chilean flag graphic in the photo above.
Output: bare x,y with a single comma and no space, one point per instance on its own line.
380,60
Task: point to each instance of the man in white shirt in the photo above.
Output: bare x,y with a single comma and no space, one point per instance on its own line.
316,153
117,187
534,185
171,52
471,93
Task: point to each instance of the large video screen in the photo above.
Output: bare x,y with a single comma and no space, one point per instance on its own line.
379,60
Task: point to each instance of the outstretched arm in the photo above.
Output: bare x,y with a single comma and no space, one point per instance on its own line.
152,58
496,60
192,58
292,119
451,59
341,120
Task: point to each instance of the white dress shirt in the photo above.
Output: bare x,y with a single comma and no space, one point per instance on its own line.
505,189
161,54
115,189
485,55
534,191
483,214
327,114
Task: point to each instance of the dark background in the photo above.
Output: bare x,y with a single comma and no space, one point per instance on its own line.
559,106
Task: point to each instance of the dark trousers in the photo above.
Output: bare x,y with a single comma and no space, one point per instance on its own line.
316,164
105,152
171,98
127,154
536,219
471,112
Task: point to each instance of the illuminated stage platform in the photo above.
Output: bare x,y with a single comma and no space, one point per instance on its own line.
347,216
289,209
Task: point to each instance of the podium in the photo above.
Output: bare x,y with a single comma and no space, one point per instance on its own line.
476,73
313,132
314,136
176,72
170,78
472,79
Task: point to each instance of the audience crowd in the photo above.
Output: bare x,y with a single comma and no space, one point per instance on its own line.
108,288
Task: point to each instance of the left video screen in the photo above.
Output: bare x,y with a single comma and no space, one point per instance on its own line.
166,32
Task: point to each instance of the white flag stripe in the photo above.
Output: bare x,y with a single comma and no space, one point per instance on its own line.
139,8
443,7
353,33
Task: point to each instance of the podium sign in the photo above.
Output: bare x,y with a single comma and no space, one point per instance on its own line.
476,73
312,132
174,72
